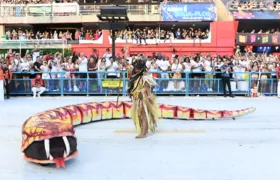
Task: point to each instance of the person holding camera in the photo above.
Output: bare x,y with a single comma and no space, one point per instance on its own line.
226,71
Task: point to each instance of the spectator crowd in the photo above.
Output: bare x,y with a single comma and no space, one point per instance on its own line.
263,31
202,69
79,34
34,1
156,34
254,5
93,1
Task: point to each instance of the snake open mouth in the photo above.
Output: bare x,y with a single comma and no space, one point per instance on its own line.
55,150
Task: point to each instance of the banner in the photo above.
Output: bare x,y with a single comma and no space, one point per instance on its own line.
65,9
258,39
112,83
256,14
188,12
40,10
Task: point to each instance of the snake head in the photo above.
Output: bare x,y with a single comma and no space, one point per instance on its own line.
48,141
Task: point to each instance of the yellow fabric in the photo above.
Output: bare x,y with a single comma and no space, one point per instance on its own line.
246,76
144,103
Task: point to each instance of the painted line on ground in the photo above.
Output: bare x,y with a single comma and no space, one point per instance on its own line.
127,131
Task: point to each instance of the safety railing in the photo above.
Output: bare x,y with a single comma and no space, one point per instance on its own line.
131,9
68,9
55,9
21,43
102,83
35,43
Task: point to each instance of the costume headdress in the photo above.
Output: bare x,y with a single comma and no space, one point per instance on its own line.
141,66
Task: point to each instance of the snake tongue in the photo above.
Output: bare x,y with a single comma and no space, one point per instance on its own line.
62,163
59,162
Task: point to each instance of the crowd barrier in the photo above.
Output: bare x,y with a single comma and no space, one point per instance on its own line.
90,83
30,44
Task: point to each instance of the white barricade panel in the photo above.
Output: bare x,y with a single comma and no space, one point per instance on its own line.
243,85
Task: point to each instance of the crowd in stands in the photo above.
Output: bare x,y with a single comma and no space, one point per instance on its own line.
79,34
170,68
156,34
92,1
189,1
254,5
263,31
34,1
138,34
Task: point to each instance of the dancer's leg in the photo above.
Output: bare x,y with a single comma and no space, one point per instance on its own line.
143,121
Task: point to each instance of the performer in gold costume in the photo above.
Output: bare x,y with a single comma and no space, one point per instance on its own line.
145,110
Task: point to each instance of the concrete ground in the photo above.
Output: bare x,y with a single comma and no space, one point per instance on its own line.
245,149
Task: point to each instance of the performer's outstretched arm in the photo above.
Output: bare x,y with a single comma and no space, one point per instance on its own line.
130,70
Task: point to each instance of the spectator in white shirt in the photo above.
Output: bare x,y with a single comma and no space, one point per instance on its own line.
54,74
111,68
46,74
187,65
83,69
163,66
148,62
153,69
107,54
101,69
25,72
18,59
196,67
176,69
208,67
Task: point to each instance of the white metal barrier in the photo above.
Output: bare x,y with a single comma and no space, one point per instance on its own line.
55,9
68,9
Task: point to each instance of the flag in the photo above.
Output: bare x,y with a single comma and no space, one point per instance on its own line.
242,39
265,39
275,39
249,48
253,38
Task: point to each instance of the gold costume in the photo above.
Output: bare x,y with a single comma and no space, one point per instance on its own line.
144,105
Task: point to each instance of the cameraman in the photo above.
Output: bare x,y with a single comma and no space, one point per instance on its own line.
226,73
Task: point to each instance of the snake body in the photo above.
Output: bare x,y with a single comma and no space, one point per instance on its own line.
49,137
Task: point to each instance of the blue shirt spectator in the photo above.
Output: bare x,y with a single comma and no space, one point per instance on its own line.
178,34
225,71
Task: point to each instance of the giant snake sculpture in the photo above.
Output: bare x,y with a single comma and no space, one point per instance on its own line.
49,137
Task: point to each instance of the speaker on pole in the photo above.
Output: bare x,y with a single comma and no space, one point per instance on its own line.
113,18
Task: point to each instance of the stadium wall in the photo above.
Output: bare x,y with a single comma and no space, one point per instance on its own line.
222,42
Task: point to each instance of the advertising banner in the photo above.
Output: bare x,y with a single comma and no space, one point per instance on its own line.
39,10
112,83
188,12
257,39
257,14
65,9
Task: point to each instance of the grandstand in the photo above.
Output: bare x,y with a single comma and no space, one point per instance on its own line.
166,28
216,64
